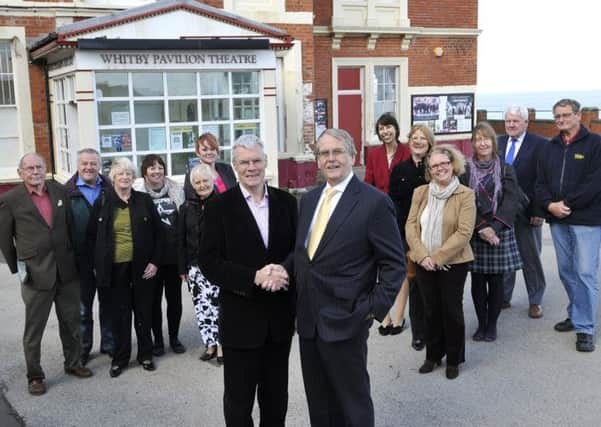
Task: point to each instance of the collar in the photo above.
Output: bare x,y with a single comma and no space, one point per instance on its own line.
341,186
31,190
80,183
247,196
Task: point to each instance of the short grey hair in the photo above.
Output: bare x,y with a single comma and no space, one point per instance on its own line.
88,151
120,164
34,155
342,136
202,170
568,102
519,110
248,141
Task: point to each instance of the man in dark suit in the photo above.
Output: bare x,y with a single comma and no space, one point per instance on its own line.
34,239
522,149
348,264
246,228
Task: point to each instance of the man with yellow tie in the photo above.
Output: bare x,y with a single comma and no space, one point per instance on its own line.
348,263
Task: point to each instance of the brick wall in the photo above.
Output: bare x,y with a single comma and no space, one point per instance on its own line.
323,12
300,5
443,13
214,3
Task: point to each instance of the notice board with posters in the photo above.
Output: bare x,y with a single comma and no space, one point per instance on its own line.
444,113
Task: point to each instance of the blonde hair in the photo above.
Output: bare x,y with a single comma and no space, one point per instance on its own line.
454,155
120,164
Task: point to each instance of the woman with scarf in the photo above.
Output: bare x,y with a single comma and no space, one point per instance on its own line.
189,230
438,231
493,243
167,196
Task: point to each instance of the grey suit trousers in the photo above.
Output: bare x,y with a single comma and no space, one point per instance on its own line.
37,310
529,240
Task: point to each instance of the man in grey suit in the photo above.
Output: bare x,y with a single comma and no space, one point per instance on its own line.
348,265
522,149
34,239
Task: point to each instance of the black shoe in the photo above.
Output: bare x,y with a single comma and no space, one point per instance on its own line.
418,344
490,334
565,326
177,346
158,350
148,365
505,305
115,371
428,366
478,335
384,330
84,358
206,356
220,360
452,372
584,342
395,330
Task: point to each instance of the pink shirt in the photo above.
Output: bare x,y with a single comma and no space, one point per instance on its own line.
221,188
260,212
42,202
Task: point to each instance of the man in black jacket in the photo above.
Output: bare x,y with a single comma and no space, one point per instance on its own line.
567,188
246,228
83,189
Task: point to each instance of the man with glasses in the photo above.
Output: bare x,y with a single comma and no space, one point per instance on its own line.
34,239
521,149
568,189
348,264
246,228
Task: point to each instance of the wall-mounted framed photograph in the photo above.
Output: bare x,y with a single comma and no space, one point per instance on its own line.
444,113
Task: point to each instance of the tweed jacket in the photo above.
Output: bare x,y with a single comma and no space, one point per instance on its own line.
459,216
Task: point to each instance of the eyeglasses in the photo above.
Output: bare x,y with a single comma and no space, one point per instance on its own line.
325,154
562,116
253,162
30,169
439,165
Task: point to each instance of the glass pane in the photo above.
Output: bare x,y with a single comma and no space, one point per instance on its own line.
214,83
115,140
226,155
222,132
147,84
245,129
149,112
113,113
183,110
111,84
246,108
245,82
215,109
151,139
7,90
181,84
183,137
179,162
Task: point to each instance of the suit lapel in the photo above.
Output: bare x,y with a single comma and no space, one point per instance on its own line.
55,203
28,203
247,216
343,209
524,152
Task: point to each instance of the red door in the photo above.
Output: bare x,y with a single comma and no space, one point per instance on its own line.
350,105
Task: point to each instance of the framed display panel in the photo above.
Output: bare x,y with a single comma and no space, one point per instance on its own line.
444,113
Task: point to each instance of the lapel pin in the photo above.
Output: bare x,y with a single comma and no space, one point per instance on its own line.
60,203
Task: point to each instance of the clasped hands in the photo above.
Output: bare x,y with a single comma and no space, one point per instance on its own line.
430,265
489,235
559,209
272,277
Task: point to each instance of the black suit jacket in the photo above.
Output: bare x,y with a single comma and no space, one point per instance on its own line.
232,250
357,269
525,164
25,236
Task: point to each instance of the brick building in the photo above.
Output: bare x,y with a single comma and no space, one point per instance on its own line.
135,77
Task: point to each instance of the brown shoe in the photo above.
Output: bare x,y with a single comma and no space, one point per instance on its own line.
535,311
37,387
79,372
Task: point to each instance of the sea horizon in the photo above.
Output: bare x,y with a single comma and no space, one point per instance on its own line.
542,101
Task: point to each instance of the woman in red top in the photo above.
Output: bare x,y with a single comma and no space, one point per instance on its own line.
381,160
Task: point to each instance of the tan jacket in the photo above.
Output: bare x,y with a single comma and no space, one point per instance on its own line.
459,216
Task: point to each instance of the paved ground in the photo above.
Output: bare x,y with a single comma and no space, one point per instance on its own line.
531,376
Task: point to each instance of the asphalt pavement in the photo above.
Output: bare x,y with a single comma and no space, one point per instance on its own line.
531,376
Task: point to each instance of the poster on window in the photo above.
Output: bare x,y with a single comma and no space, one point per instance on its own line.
444,114
321,117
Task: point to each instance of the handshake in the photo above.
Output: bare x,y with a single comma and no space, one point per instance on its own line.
272,277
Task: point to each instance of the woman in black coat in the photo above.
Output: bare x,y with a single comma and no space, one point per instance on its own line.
204,294
126,238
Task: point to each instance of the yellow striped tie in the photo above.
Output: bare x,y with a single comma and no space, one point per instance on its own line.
320,222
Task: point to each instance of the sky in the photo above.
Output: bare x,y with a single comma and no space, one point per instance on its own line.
539,45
